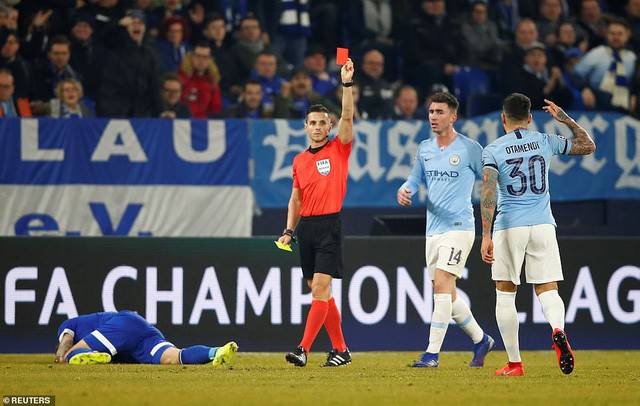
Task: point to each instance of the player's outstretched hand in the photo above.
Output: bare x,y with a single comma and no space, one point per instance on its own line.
556,111
404,197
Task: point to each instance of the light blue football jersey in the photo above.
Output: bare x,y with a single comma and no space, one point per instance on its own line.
449,175
522,160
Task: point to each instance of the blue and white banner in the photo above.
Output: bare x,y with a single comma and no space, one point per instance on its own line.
383,152
125,177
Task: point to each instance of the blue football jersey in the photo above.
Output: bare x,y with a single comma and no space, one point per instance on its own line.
522,160
84,325
449,175
125,334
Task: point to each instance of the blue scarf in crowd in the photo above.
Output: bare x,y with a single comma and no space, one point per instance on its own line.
294,18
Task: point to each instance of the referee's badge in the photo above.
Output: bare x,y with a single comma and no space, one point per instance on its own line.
324,167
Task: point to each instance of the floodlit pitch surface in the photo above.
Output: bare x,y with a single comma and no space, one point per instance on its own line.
375,378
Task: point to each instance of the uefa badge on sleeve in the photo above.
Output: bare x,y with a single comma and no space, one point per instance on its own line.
324,167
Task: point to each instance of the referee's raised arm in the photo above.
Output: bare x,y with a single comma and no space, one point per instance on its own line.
345,126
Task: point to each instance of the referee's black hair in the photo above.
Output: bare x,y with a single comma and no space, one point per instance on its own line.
316,108
516,107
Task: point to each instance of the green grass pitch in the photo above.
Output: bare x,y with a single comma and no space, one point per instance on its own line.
374,378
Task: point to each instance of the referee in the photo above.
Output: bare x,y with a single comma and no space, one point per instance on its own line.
319,186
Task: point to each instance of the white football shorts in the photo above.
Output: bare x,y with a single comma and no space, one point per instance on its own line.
448,251
536,245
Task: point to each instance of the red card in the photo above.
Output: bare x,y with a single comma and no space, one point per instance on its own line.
342,54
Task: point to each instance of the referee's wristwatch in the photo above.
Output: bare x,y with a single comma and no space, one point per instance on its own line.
288,231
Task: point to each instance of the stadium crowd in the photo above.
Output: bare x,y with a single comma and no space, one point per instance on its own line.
273,58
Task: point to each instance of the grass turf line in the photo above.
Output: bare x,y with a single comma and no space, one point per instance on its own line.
374,378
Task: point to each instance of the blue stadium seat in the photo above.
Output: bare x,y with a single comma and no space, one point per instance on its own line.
469,81
478,104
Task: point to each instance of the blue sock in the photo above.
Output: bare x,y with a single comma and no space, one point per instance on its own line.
198,354
77,351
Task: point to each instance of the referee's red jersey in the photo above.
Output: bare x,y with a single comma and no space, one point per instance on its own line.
322,178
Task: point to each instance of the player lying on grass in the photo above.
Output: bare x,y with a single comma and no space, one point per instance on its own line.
100,338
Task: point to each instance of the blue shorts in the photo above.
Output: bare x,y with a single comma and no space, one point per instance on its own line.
130,336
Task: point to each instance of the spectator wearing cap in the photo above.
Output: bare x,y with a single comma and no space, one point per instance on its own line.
315,62
570,59
538,82
201,82
298,95
250,104
605,72
130,85
48,73
173,43
87,54
19,67
215,34
154,21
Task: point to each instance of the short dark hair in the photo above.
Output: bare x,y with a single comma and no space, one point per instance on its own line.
202,44
171,77
516,107
619,21
445,97
59,40
249,16
250,81
316,108
209,18
300,71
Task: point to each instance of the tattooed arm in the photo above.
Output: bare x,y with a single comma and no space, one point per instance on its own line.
488,202
63,347
582,144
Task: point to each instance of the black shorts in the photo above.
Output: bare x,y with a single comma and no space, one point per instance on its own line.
320,242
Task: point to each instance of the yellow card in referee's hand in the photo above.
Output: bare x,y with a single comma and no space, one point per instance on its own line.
283,247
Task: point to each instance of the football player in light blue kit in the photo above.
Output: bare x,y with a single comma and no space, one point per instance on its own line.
448,163
99,338
515,175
